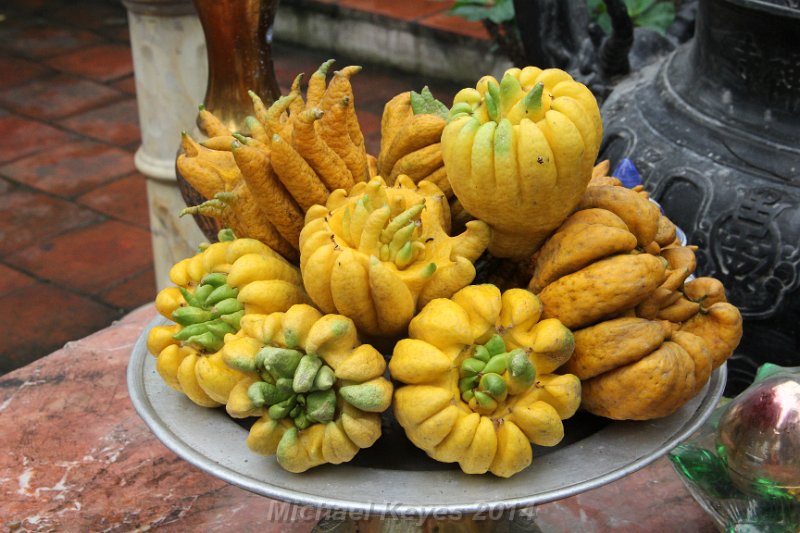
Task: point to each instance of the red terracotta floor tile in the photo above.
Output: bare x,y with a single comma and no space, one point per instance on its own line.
373,143
23,136
124,199
103,63
116,33
406,10
91,15
89,259
45,40
29,5
377,86
57,96
34,6
126,85
12,280
132,292
28,217
373,87
41,319
17,71
449,23
117,123
71,168
290,61
371,127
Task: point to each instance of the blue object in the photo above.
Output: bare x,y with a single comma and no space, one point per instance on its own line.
626,173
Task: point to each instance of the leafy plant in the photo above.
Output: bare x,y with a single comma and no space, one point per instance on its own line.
497,11
653,14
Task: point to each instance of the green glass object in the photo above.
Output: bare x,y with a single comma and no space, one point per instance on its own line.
741,466
704,469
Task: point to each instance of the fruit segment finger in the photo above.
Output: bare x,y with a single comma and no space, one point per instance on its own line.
330,168
296,175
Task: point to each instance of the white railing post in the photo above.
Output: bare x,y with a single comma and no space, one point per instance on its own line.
171,71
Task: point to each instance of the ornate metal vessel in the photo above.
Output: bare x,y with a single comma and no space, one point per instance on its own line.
715,131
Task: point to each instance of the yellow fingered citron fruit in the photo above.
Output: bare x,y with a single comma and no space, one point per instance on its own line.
320,390
379,253
477,378
213,291
647,336
519,153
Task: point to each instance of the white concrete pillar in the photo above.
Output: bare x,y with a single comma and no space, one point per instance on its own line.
171,71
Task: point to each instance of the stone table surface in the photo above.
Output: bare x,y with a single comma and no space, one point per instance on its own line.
77,457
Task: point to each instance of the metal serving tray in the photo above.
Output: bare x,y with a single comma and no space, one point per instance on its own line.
393,476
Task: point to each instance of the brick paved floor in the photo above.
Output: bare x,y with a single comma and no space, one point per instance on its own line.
75,250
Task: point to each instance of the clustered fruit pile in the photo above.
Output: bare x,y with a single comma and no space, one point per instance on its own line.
335,253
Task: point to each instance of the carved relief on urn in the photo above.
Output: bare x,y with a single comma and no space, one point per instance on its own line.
715,132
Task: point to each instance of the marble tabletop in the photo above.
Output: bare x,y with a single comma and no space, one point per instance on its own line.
76,457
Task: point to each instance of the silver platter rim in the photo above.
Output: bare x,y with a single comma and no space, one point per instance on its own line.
215,444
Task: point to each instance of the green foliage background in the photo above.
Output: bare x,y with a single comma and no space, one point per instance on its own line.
654,14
